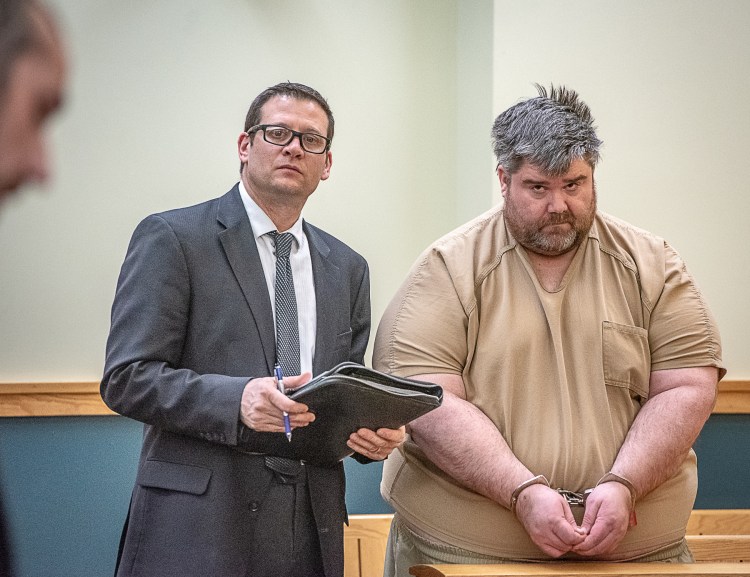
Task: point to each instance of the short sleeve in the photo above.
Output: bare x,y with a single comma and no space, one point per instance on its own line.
683,332
424,328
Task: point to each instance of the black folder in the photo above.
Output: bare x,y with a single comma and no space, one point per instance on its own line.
349,397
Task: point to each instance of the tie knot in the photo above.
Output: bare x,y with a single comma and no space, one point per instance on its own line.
283,242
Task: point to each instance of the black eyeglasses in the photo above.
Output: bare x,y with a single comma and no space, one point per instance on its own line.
281,136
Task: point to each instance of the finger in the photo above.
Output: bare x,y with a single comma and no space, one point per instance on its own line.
281,402
590,513
552,547
364,450
367,435
293,407
392,435
571,521
566,534
274,421
364,446
296,381
367,448
386,438
601,539
596,544
300,420
370,440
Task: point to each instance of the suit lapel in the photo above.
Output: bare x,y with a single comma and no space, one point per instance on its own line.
238,242
327,278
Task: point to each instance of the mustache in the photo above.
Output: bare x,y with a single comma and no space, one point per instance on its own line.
559,218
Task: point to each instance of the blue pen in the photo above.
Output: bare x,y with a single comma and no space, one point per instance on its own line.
280,385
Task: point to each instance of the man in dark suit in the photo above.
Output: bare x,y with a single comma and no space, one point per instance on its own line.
192,349
32,76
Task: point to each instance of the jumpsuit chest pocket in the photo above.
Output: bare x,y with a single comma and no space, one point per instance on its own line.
626,358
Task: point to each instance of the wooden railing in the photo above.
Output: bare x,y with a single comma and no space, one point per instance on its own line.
82,398
51,400
719,540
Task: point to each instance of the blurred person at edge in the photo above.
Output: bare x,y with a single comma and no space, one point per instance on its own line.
32,75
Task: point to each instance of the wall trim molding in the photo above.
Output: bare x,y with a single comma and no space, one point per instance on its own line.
734,397
51,400
82,398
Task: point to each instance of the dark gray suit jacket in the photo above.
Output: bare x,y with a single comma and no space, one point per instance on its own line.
191,324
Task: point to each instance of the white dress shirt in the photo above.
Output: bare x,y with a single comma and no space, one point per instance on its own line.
304,285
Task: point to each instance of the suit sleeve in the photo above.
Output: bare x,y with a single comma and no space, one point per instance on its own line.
361,331
142,379
360,314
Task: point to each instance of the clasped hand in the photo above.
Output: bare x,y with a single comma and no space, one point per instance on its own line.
262,406
549,521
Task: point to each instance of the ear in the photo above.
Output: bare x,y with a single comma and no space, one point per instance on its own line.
243,143
502,177
327,166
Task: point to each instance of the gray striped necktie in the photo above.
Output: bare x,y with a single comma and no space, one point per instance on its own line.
285,302
287,332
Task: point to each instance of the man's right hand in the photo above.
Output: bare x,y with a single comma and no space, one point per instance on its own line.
262,405
547,518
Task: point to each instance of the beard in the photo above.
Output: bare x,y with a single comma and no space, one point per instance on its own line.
534,235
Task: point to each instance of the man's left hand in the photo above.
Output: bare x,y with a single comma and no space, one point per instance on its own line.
376,445
605,520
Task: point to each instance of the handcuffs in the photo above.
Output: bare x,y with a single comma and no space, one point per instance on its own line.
578,499
575,499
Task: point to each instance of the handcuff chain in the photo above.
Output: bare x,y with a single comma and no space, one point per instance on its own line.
573,498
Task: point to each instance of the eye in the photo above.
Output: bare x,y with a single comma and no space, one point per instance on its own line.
312,139
277,133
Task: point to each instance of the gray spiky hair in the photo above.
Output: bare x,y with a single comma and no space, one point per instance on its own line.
548,131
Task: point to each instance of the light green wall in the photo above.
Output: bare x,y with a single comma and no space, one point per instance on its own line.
159,91
157,99
668,84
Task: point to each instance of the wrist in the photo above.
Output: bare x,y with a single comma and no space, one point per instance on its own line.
615,478
538,480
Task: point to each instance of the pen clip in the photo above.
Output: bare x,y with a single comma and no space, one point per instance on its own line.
279,377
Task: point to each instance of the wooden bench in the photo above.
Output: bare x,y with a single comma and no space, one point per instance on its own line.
718,538
583,570
720,535
364,545
719,522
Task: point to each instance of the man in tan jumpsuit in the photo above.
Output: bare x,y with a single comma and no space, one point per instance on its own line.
579,361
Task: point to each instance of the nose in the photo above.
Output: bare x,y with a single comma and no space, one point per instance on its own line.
295,146
557,202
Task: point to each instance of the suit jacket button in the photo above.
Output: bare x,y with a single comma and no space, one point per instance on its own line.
254,506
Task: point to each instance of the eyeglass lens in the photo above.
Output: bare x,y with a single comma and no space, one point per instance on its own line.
281,136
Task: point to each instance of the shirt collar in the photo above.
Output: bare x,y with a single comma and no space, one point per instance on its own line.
261,222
